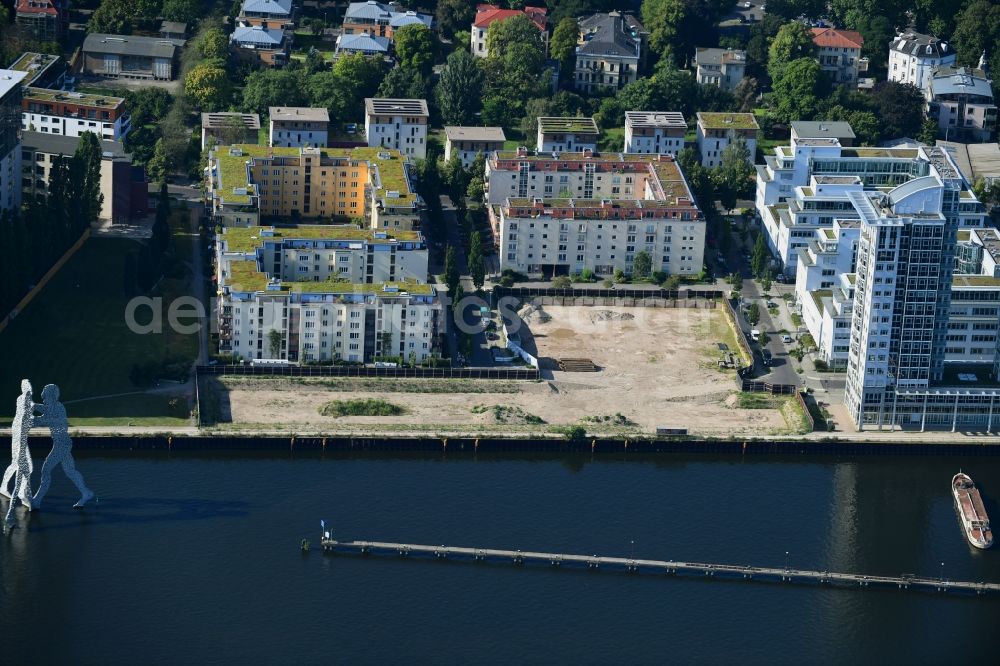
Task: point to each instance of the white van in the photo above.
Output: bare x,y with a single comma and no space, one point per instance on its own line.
755,335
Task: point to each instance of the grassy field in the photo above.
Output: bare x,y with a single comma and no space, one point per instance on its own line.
74,334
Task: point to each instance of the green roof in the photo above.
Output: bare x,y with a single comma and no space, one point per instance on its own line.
85,99
247,239
233,168
975,281
244,276
819,295
900,153
575,125
727,120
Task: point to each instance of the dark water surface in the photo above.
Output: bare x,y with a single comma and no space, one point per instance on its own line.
196,559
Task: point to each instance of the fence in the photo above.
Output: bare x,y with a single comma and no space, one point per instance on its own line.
527,374
805,409
754,386
659,294
741,338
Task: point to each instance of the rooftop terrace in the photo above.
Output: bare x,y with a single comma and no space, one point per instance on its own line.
727,120
83,99
232,169
247,239
578,125
244,277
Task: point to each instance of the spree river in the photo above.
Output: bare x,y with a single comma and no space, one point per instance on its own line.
196,559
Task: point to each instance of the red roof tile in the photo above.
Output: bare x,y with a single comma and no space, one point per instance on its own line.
840,39
487,14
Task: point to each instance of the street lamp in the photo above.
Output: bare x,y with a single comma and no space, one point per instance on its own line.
786,561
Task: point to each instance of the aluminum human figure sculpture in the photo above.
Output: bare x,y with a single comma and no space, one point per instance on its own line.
53,415
20,465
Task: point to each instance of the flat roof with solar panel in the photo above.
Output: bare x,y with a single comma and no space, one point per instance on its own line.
396,107
667,119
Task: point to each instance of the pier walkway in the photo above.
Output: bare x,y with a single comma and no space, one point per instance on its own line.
668,567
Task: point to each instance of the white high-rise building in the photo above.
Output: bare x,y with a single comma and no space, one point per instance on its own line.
804,186
903,310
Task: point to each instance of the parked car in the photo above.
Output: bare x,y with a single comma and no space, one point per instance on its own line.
755,334
765,356
771,305
786,338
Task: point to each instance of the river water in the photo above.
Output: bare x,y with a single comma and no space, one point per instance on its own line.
195,559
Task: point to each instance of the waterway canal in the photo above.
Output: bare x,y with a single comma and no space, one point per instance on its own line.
195,559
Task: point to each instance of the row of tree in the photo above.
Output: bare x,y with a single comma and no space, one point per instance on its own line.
33,239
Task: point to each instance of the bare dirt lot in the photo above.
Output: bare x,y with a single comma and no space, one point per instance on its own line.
658,367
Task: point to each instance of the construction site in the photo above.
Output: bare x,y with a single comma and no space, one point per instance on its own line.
608,369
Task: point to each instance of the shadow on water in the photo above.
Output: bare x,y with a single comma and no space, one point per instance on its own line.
125,510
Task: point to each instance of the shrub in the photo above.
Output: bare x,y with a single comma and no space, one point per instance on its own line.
562,282
361,407
587,275
576,433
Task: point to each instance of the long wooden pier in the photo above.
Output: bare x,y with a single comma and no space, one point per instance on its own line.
662,567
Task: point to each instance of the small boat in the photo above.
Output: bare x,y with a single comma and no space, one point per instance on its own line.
971,511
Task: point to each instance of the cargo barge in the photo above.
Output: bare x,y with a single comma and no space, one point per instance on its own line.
971,511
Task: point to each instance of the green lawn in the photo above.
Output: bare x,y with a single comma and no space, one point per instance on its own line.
612,140
74,334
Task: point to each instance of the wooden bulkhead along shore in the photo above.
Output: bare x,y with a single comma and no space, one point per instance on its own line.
661,567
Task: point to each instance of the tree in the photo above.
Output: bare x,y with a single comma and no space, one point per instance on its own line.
792,9
763,339
185,11
900,108
460,89
315,61
112,17
477,268
274,87
928,132
451,275
760,259
746,94
214,45
642,264
88,158
274,340
515,66
665,21
765,283
977,29
753,314
316,26
415,47
793,42
405,83
452,16
159,165
476,189
502,35
798,88
761,34
207,86
562,47
362,74
735,173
